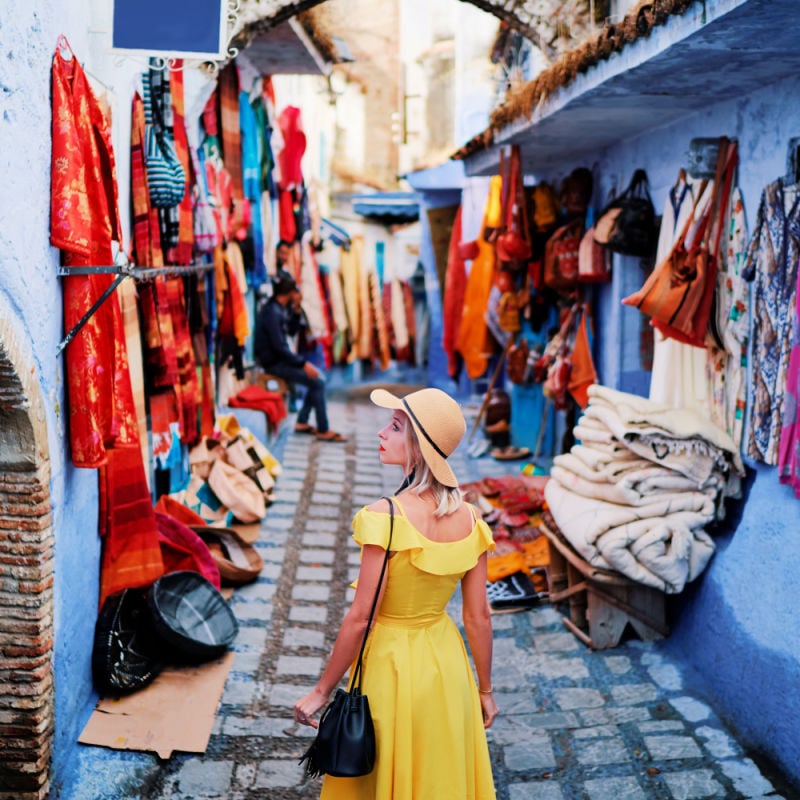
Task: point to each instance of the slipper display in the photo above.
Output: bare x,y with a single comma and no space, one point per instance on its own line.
304,427
514,592
330,436
238,561
510,453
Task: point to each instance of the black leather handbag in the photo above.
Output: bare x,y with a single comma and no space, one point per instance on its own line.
627,225
345,743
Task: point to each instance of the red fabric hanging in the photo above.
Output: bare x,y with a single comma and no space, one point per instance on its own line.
231,130
84,221
182,254
294,146
131,551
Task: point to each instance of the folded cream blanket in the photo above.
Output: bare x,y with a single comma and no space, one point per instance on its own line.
659,544
638,418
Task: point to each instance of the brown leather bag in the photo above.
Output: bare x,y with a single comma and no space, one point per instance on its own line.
679,292
561,258
517,362
513,244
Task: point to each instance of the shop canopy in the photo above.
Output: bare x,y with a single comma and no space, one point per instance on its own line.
387,207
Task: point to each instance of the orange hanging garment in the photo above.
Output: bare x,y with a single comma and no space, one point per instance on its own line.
454,289
474,342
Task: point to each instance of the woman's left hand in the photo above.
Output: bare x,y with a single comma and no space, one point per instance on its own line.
489,708
306,707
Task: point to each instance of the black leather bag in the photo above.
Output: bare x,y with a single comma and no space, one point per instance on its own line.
345,743
627,225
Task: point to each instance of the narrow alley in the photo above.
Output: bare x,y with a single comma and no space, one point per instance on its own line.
622,724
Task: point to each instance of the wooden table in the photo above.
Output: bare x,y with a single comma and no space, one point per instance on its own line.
602,603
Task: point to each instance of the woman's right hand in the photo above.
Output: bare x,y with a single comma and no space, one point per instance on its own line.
489,708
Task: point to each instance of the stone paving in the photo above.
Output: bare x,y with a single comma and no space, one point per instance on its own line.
619,724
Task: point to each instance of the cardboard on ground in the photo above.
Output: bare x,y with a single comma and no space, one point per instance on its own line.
175,712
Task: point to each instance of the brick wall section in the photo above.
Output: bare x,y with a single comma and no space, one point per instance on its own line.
26,586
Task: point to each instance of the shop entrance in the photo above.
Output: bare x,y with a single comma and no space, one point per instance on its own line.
26,575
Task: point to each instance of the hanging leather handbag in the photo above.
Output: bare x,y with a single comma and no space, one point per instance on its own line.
594,260
345,743
678,293
513,245
561,258
627,225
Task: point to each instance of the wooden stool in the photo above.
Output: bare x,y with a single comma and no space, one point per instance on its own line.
601,603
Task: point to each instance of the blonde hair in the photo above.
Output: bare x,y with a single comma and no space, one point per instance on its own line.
447,498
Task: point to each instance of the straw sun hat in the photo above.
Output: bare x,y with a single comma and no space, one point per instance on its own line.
438,422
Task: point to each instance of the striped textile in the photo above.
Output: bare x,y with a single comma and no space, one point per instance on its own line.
229,122
182,252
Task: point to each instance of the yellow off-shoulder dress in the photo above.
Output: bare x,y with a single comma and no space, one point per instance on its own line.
431,744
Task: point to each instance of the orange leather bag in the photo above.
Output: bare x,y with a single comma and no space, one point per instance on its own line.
678,294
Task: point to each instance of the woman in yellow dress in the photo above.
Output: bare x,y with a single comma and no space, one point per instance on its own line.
429,714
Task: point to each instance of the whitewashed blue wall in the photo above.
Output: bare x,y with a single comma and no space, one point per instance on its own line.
737,623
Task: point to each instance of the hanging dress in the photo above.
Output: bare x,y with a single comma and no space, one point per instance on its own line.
772,267
84,224
678,376
431,743
726,368
474,342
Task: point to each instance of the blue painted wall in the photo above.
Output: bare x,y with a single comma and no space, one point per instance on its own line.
737,623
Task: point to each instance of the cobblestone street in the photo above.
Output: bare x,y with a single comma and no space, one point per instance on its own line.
620,724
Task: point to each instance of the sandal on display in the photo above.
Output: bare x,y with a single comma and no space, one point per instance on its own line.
330,436
304,427
510,453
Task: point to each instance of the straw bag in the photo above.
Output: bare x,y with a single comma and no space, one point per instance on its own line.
345,743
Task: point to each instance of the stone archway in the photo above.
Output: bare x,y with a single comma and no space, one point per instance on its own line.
544,27
26,575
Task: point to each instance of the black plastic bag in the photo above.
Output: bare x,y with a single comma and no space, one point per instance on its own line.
125,654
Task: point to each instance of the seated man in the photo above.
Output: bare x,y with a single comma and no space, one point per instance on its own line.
273,353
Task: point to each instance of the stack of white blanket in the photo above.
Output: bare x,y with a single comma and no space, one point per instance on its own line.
635,495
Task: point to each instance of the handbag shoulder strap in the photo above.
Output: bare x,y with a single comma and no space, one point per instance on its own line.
355,680
726,180
691,218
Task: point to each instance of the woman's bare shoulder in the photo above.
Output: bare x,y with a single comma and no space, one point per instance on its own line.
379,505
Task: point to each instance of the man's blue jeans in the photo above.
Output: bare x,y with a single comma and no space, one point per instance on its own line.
315,394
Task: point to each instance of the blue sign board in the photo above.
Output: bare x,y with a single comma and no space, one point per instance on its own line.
172,28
